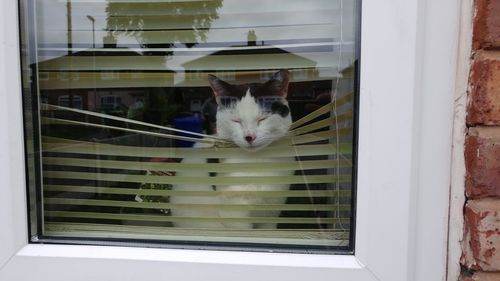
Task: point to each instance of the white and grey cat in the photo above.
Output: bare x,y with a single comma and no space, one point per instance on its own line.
252,116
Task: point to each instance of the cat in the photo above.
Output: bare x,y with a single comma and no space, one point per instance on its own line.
252,116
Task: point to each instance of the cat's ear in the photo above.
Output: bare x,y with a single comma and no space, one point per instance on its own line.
279,83
221,88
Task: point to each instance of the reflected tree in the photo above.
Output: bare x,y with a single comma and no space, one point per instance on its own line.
156,26
189,21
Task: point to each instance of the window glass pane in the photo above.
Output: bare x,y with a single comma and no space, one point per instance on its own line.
179,122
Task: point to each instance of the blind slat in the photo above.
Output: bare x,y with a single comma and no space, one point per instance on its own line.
165,218
200,49
327,108
136,1
216,36
57,121
157,205
203,231
315,136
186,21
199,63
159,7
198,181
328,237
122,119
323,123
213,167
169,152
157,192
289,140
84,80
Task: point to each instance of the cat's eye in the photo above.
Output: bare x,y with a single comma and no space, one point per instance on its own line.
262,118
236,120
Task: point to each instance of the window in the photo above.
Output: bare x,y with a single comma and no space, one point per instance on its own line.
74,101
63,76
110,75
390,111
189,165
43,77
110,102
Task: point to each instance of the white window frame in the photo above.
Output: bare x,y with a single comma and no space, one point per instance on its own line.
409,51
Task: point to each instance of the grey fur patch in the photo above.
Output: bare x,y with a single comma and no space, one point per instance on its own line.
281,109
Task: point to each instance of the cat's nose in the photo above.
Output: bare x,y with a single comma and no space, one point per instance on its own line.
250,138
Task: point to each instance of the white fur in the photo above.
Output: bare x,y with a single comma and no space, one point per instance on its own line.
248,112
266,131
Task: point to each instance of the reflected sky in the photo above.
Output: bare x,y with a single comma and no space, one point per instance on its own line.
184,37
269,19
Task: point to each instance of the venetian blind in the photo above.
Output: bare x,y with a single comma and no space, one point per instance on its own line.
108,175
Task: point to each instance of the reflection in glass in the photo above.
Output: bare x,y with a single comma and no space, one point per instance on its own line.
128,120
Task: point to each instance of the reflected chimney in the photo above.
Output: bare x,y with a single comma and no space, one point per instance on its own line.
109,41
251,38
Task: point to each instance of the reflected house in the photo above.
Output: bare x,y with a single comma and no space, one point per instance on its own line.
229,65
302,77
76,81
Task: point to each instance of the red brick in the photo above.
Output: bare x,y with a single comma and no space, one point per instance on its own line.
481,245
481,276
482,160
484,98
486,33
485,276
465,278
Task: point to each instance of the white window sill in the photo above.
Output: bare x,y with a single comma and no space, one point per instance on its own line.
191,256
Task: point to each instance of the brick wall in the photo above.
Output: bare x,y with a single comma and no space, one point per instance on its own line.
481,243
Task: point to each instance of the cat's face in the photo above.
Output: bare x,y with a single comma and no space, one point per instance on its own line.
254,115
